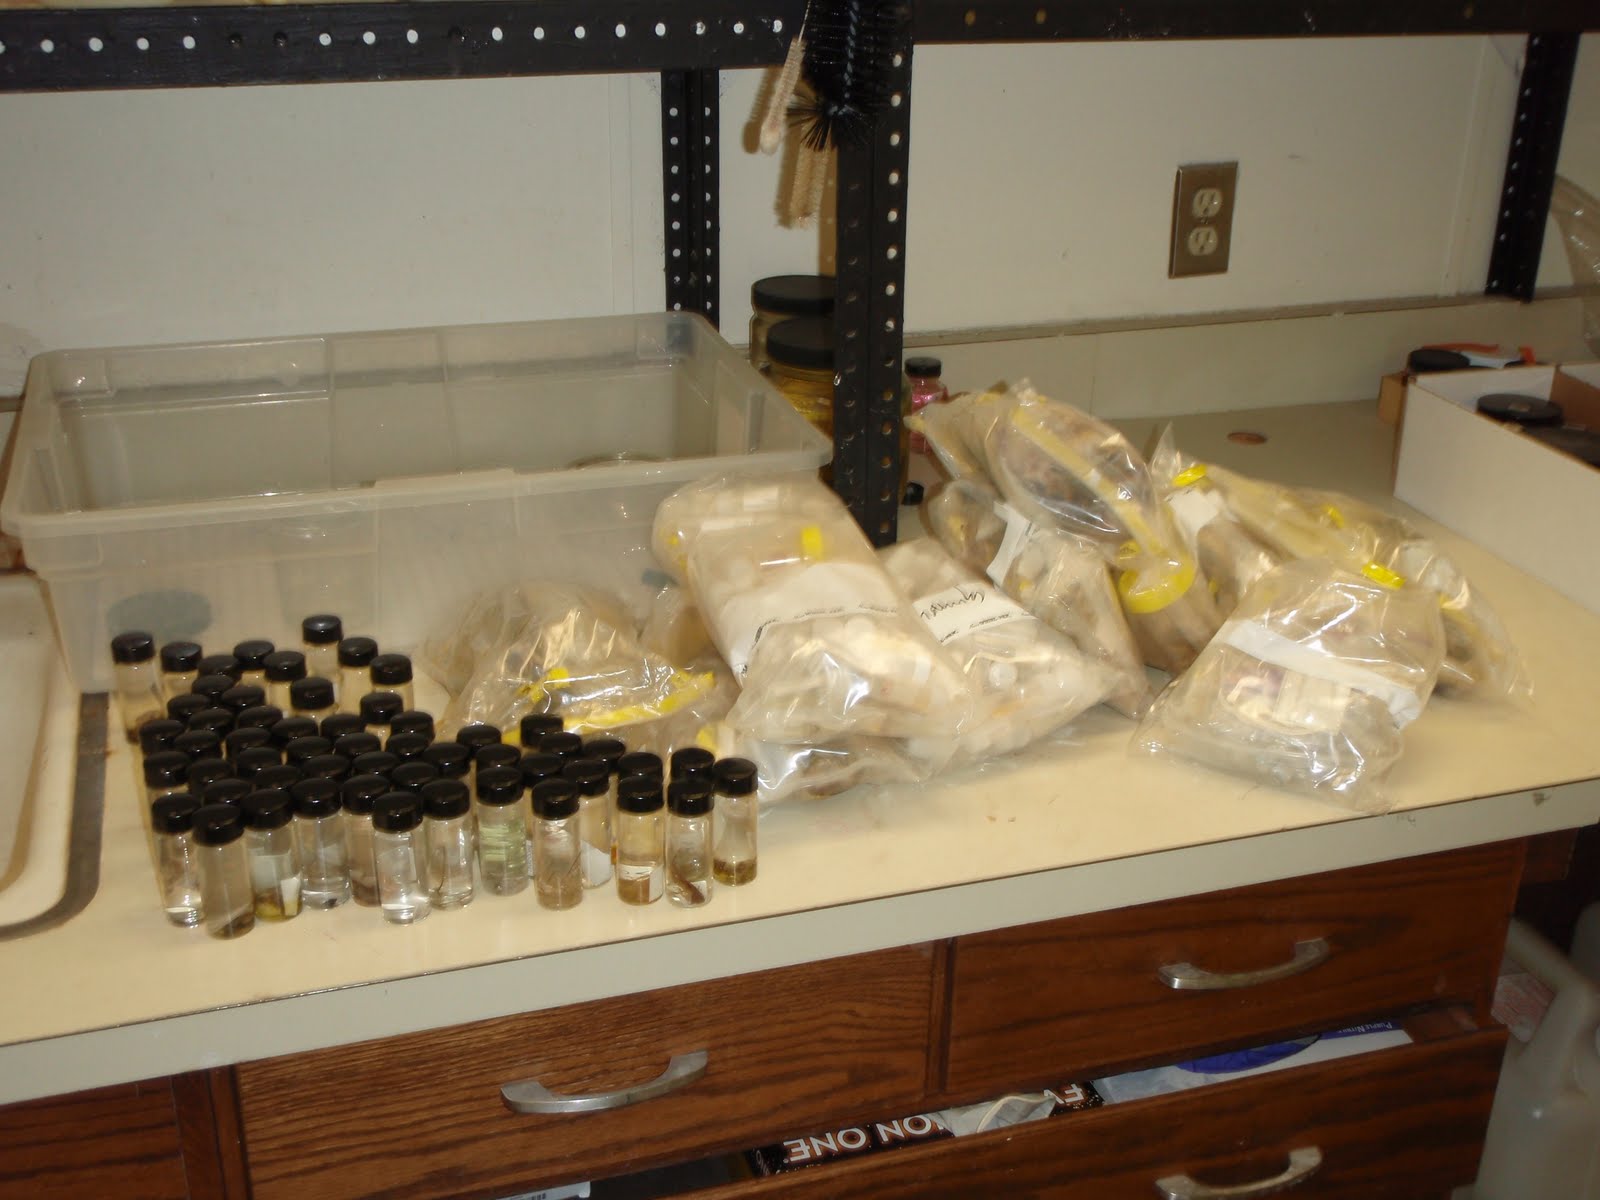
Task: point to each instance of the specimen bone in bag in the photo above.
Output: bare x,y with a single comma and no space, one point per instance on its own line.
1308,685
1059,579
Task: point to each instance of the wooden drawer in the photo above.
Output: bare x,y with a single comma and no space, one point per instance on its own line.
1400,1124
1072,998
422,1116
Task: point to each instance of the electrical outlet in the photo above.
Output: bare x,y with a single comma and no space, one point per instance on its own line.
1202,219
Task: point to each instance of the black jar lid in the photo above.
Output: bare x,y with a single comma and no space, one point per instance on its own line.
446,799
213,686
374,762
181,656
452,758
397,812
242,696
181,708
166,768
640,762
639,793
285,666
390,670
379,708
303,748
354,745
135,646
924,366
323,629
226,791
794,295
535,725
555,799
157,735
735,776
326,766
249,761
311,693
478,735
500,785
360,792
205,771
198,743
336,725
258,716
564,745
217,824
357,651
221,664
591,776
173,814
406,746
413,776
252,654
413,720
315,796
607,749
805,342
218,720
498,755
267,808
281,776
286,730
689,796
535,767
692,760
1523,409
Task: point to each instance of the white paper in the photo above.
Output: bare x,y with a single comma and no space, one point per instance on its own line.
966,608
1018,529
1271,647
827,589
1194,510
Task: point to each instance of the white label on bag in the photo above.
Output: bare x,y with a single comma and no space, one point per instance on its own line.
825,589
1018,529
966,608
1194,510
1271,647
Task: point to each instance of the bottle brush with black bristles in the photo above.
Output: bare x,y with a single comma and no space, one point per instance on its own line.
849,48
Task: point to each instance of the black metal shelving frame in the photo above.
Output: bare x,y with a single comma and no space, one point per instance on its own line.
689,41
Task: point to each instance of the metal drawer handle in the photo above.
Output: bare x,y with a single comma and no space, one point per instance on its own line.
1303,1164
531,1096
1190,978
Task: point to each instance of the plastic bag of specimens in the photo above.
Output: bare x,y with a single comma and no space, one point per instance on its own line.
1309,684
817,636
1026,679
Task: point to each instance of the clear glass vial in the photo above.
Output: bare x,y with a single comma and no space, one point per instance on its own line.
217,720
260,716
640,840
326,766
338,724
198,743
378,711
733,820
475,738
222,664
320,636
358,794
302,749
640,762
503,856
448,832
166,773
213,685
181,708
289,728
592,780
242,696
354,745
490,758
414,721
312,696
156,736
558,849
452,758
203,772
252,760
137,681
537,767
398,847
274,856
565,746
227,900
534,726
283,668
252,659
177,859
413,776
406,746
691,761
319,834
392,673
355,662
226,791
689,841
180,667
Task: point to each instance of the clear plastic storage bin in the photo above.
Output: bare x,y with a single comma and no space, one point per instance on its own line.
213,492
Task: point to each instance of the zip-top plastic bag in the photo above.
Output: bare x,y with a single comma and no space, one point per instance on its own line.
1308,685
818,769
1026,679
957,430
1062,581
820,641
1057,464
1302,523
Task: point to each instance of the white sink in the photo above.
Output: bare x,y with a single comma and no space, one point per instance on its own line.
38,748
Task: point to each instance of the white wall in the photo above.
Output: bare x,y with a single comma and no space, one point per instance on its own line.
1041,183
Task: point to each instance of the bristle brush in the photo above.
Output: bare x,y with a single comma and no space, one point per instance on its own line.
849,46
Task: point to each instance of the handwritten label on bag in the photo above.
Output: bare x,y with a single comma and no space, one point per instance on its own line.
964,609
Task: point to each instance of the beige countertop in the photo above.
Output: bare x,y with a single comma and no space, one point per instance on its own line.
117,994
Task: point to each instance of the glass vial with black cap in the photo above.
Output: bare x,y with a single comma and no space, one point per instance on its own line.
592,779
503,857
733,821
243,696
180,667
448,831
414,720
689,841
137,681
392,673
558,848
320,636
338,724
358,795
378,711
177,859
274,858
566,746
319,835
640,838
398,849
691,761
222,664
227,901
156,736
259,716
312,697
476,737
181,708
355,661
284,667
535,725
251,656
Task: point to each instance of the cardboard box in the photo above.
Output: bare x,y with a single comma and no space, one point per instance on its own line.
1392,397
1533,506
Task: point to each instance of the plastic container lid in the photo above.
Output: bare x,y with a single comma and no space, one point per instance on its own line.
166,768
242,696
555,799
692,760
205,771
607,749
535,725
360,792
218,720
413,776
1524,410
221,664
354,745
445,799
336,726
591,776
794,295
252,654
497,755
476,737
357,652
640,762
376,762
256,758
1570,439
413,720
452,758
181,656
267,808
135,646
213,687
563,745
285,666
155,736
326,766
312,692
735,776
499,785
181,708
226,791
390,670
379,708
639,793
281,776
324,629
406,746
535,767
924,366
198,743
398,812
263,716
217,824
805,342
316,797
302,748
689,797
173,814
